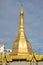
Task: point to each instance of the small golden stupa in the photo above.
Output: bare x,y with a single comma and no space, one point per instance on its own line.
21,45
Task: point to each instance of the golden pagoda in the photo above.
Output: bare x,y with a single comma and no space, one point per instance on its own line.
21,45
22,48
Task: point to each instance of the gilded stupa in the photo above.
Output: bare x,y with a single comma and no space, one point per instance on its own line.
21,45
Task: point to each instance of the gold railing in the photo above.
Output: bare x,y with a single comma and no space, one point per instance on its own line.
31,58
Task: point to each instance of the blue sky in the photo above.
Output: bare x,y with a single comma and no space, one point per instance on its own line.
33,18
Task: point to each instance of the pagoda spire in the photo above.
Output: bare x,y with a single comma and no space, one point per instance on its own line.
21,23
21,18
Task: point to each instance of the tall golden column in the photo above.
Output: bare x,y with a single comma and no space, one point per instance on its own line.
21,45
